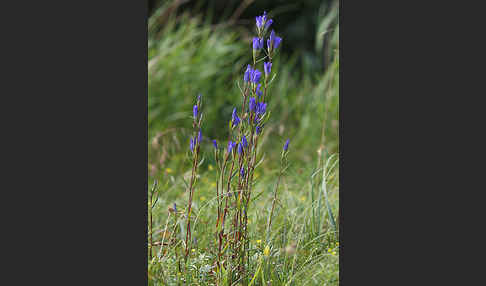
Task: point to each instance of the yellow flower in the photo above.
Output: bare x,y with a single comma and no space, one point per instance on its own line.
266,251
203,198
193,250
329,250
302,198
168,170
259,241
334,253
210,167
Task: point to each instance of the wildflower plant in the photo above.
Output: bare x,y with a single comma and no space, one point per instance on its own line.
236,163
194,145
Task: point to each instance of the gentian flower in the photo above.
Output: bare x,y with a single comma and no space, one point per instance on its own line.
192,145
235,118
252,104
175,207
260,20
199,137
244,142
286,146
267,68
257,43
240,148
255,76
242,171
258,90
268,23
215,144
246,78
259,129
273,42
261,108
194,111
230,146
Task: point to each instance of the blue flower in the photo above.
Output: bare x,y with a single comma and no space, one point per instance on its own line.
268,23
257,43
240,148
252,75
230,146
260,20
242,172
246,78
267,68
286,146
192,144
261,108
273,42
252,104
175,207
194,111
215,144
259,129
255,76
235,118
259,91
244,142
199,97
199,137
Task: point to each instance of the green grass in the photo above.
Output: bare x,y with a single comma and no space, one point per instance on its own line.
187,57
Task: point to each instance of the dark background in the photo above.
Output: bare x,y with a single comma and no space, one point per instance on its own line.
297,20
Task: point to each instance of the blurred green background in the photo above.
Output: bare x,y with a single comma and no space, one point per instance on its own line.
203,47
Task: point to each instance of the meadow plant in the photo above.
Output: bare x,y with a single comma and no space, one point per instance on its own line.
195,144
232,262
236,165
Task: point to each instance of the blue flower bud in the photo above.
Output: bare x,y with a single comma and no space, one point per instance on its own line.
252,104
267,68
235,118
257,43
246,77
215,144
192,144
244,142
261,108
259,91
175,207
259,129
286,146
260,20
273,42
255,76
240,148
268,23
230,146
199,137
242,172
194,111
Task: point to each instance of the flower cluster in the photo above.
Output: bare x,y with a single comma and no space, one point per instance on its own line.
252,75
240,156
